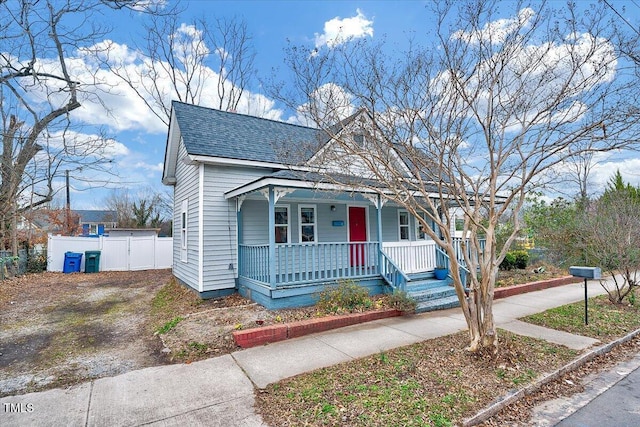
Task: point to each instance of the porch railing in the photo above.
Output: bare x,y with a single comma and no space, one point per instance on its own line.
412,257
457,244
253,262
445,261
298,263
392,274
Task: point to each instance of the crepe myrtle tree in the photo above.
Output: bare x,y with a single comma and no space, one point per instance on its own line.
481,109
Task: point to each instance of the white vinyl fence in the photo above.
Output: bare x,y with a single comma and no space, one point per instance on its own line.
116,253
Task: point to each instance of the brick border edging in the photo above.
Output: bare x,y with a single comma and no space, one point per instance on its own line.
510,398
280,332
273,333
534,286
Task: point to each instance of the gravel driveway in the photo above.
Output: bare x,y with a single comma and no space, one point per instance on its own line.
58,329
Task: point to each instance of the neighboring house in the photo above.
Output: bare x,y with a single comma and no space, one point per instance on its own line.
249,215
132,232
94,222
40,222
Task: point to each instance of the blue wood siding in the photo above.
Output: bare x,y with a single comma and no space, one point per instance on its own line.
186,188
220,222
254,217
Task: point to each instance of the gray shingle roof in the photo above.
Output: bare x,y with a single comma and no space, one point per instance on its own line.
216,133
96,215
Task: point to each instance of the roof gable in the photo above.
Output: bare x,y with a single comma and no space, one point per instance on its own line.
96,216
339,156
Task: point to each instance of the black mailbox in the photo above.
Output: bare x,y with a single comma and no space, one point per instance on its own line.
586,272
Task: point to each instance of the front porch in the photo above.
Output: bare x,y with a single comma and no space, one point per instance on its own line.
294,242
302,270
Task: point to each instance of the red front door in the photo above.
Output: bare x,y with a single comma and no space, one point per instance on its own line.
357,233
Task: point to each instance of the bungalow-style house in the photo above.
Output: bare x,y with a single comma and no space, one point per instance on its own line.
251,216
94,222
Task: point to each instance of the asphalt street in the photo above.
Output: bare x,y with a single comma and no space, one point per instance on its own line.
619,406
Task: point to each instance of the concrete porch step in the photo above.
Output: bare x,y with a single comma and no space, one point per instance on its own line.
438,304
426,284
437,292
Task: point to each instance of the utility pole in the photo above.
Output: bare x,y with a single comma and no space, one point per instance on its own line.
68,209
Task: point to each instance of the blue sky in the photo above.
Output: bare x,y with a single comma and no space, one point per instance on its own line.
139,137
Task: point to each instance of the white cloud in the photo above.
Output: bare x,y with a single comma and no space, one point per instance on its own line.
496,31
338,31
329,103
604,169
531,78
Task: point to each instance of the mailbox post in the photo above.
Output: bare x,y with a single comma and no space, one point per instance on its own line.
586,273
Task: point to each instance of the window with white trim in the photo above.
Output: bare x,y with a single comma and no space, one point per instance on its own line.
282,229
420,233
308,226
403,225
183,229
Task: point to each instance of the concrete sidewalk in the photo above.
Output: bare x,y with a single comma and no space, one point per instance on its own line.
220,391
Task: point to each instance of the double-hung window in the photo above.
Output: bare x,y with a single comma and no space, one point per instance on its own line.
403,225
420,233
308,224
282,224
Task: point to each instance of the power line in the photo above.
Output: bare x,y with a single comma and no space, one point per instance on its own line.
606,2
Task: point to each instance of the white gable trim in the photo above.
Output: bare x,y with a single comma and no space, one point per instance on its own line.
318,156
171,153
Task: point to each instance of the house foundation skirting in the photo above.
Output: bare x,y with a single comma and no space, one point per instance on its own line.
299,296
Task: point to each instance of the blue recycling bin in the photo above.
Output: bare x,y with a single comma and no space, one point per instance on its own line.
72,261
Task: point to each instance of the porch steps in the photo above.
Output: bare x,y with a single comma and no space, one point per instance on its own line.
432,294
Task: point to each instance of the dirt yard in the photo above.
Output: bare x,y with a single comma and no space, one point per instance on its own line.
58,329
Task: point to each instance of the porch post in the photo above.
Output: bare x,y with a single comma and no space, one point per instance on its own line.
238,237
272,238
379,209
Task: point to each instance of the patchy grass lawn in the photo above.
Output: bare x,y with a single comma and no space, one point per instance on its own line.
607,321
433,383
437,382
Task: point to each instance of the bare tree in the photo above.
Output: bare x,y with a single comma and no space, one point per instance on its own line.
210,61
39,89
612,229
472,121
148,208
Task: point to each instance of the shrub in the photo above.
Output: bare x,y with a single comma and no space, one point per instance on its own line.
515,259
509,262
37,263
347,297
402,301
521,259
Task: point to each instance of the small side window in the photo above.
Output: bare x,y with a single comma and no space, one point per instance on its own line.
183,230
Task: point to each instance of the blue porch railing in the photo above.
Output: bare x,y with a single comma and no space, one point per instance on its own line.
302,263
445,261
298,263
392,273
